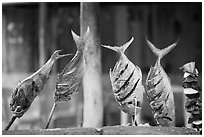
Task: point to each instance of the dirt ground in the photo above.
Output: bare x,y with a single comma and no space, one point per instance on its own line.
109,130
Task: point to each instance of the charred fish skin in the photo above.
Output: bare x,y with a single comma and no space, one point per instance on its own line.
70,78
158,89
192,91
126,81
28,89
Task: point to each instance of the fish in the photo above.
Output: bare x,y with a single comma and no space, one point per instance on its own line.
29,88
126,81
158,89
192,91
69,80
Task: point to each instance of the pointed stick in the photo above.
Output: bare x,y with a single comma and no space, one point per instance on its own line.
50,116
134,120
10,123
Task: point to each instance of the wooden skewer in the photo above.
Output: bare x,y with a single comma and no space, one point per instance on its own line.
134,120
50,116
10,123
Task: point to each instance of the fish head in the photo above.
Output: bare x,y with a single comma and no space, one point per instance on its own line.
131,108
62,92
19,111
165,121
61,96
134,103
19,102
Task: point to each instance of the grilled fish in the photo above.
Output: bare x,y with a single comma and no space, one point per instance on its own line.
126,80
158,89
193,104
28,89
70,78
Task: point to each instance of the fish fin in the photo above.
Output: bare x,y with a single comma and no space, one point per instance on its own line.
120,49
80,40
77,39
160,53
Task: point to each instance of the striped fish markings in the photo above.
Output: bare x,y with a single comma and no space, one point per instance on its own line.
158,89
126,81
70,78
28,89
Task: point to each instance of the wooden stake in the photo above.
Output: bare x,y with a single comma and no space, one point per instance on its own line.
136,119
42,53
10,123
92,82
50,116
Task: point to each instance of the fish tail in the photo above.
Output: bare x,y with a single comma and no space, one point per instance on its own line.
120,49
80,40
56,55
160,53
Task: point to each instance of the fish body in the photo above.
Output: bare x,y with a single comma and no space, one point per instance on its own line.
28,89
192,91
68,83
70,78
126,81
159,91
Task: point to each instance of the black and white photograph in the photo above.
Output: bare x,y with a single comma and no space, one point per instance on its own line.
101,68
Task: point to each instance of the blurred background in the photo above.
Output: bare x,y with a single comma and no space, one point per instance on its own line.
23,42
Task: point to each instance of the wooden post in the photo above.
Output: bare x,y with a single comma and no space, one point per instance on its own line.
92,83
4,47
42,54
121,33
42,20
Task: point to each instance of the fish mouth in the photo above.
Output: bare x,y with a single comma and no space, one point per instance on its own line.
57,55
